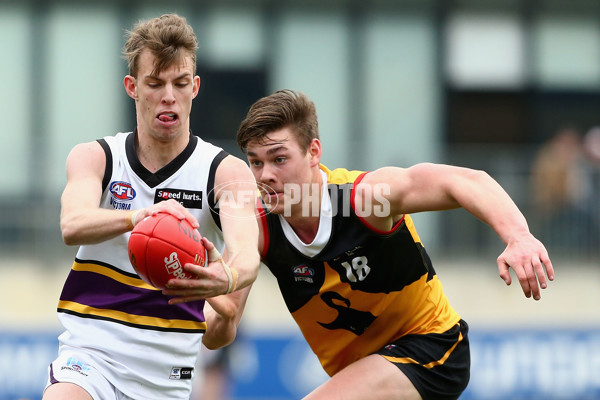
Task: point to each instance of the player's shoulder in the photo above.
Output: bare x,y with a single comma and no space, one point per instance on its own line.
90,149
86,157
340,176
232,164
388,174
232,167
99,144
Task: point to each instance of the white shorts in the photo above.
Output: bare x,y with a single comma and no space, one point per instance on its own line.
75,367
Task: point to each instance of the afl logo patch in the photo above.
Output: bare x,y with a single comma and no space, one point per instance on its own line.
303,270
122,190
303,273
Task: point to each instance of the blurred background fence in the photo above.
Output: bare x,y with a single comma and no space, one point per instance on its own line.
511,87
478,84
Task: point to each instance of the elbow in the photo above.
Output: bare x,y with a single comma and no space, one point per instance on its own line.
254,274
256,262
69,233
476,177
212,343
68,237
483,175
476,174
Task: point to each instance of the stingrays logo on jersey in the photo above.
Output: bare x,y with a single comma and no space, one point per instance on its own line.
303,273
121,195
75,365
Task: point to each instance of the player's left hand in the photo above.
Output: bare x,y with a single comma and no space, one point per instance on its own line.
225,306
528,257
211,280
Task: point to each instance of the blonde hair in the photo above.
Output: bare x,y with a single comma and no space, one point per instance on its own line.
169,37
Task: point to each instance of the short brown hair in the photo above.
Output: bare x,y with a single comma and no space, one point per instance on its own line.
284,108
169,38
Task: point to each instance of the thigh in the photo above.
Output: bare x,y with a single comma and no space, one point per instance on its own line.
414,367
73,376
64,390
372,377
438,364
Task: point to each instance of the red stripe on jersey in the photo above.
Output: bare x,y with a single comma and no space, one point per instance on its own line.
353,205
262,217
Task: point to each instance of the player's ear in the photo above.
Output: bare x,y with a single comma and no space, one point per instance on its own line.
130,86
314,150
196,85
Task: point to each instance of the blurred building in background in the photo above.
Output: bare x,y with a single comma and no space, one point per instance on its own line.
479,84
482,84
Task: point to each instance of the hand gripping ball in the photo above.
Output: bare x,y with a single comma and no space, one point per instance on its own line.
160,245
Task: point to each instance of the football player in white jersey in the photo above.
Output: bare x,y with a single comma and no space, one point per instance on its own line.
124,339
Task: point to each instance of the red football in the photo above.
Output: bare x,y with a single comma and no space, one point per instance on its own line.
160,245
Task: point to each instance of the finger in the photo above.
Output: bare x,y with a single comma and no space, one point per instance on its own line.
504,271
180,288
207,243
548,265
194,283
198,270
539,271
532,281
190,218
177,210
174,208
523,280
179,300
213,254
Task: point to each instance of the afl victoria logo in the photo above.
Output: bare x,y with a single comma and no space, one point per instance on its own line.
122,190
303,270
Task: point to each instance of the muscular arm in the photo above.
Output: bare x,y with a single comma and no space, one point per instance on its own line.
241,231
235,192
432,187
82,221
223,315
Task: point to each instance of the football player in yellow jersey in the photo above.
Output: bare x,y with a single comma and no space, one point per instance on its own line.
350,264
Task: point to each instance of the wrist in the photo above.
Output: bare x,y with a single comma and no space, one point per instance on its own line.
231,273
131,219
232,277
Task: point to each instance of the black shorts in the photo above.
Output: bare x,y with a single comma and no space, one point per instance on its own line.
438,364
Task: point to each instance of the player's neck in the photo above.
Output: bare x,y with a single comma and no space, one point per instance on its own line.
155,154
306,228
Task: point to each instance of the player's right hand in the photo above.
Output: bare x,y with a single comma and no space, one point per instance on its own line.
169,206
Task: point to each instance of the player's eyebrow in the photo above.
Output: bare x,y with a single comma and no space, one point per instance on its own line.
156,78
270,151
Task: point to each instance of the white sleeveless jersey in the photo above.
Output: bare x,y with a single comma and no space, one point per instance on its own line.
145,347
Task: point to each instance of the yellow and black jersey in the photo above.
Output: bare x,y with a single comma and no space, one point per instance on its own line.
364,289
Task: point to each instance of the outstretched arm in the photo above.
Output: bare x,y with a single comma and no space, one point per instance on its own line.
431,187
82,221
235,191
